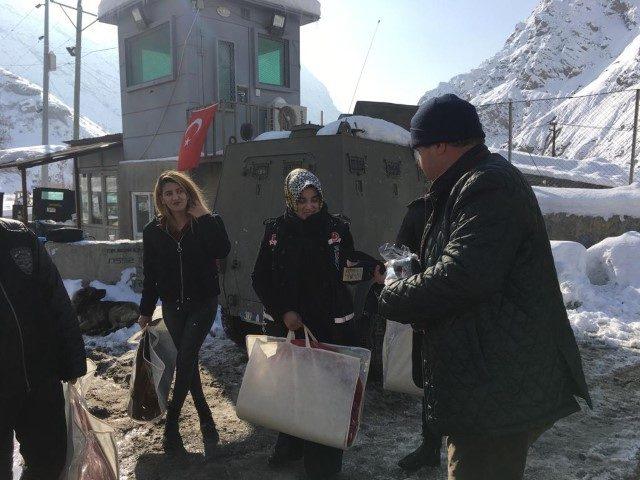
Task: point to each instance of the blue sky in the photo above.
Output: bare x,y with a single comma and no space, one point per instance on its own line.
419,43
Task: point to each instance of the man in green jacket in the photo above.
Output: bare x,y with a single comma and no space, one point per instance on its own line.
500,360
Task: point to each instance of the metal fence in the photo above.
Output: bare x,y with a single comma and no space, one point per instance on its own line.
586,138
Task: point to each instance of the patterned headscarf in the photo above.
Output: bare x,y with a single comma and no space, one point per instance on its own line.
296,182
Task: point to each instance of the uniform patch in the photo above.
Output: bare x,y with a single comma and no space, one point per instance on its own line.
335,238
273,241
23,258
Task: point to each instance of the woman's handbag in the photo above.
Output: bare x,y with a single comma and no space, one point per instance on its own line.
152,373
304,388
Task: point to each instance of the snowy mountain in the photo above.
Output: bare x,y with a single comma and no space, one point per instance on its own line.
21,115
565,48
315,96
21,53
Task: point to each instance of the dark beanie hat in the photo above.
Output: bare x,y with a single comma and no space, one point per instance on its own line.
447,118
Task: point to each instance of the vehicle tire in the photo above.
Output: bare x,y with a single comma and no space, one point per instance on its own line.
236,329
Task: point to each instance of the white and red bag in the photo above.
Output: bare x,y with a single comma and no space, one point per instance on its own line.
91,447
397,360
304,388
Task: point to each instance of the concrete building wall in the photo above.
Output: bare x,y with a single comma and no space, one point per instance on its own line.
163,106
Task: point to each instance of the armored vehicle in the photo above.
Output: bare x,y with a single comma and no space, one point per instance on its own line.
369,182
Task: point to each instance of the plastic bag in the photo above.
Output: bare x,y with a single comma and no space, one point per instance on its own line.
397,361
399,261
152,374
304,388
91,447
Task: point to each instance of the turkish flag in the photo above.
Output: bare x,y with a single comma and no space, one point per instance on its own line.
194,137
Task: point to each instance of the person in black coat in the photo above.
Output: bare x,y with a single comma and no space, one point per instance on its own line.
410,235
297,277
500,360
40,346
181,247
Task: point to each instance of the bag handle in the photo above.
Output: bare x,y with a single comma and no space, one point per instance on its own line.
308,336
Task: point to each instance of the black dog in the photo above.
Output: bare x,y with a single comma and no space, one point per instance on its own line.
99,317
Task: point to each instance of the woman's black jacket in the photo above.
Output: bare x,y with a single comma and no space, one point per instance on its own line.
299,269
184,270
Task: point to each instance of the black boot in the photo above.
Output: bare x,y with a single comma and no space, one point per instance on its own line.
426,455
288,449
209,432
172,441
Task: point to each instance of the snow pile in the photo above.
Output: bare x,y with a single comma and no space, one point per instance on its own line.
373,129
597,171
120,292
601,288
606,203
272,135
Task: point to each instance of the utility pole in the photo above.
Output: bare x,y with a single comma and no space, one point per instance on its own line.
553,124
510,129
76,85
634,137
44,172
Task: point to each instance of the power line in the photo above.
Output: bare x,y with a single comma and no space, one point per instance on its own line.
19,22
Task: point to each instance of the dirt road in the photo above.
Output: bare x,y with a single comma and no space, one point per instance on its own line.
602,444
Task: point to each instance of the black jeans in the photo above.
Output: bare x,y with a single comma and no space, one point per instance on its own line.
430,438
189,326
38,420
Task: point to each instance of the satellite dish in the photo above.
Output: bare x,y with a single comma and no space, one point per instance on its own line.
246,132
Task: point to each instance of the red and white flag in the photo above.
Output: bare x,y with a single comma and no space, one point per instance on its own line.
194,137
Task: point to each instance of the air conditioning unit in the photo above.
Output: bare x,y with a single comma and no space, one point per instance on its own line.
286,117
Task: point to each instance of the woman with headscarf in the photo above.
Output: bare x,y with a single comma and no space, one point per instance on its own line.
297,277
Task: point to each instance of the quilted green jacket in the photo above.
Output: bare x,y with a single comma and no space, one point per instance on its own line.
499,355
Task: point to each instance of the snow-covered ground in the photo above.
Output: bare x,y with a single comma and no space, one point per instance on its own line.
601,289
605,203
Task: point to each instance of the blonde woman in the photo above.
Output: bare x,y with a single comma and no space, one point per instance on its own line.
181,246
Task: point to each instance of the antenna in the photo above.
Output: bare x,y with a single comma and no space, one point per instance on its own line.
364,65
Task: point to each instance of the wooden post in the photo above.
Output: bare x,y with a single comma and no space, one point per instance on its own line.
510,128
25,196
635,138
76,187
553,138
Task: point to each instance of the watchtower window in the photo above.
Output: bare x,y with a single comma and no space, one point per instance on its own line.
149,56
272,55
226,71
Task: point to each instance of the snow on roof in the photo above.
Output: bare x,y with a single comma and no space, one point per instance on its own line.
273,135
306,7
606,203
108,6
309,8
374,129
24,154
